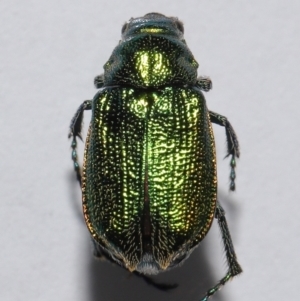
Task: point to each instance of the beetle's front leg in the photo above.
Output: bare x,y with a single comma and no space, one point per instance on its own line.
232,143
99,81
204,83
75,131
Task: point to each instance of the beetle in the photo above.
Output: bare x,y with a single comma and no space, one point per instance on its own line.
149,182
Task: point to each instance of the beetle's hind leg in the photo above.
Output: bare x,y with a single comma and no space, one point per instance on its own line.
232,143
75,131
233,266
99,253
160,286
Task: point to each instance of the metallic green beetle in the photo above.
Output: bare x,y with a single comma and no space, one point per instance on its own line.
149,182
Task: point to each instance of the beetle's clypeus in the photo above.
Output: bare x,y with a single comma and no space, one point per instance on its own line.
149,183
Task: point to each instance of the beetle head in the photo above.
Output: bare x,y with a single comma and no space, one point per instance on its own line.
153,23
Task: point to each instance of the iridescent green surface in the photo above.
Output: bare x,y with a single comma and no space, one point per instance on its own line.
149,177
149,173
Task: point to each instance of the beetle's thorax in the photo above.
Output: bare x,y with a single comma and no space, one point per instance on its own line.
152,53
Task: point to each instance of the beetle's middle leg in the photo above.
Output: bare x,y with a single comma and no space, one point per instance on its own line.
75,131
233,148
233,266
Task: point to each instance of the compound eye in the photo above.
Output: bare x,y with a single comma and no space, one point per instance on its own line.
180,26
124,28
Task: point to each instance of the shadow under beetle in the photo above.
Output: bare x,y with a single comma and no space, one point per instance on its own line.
149,182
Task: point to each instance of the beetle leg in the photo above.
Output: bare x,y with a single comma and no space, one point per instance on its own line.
232,143
99,253
75,131
204,83
99,81
234,267
160,286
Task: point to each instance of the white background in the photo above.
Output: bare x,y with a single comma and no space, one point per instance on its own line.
51,51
